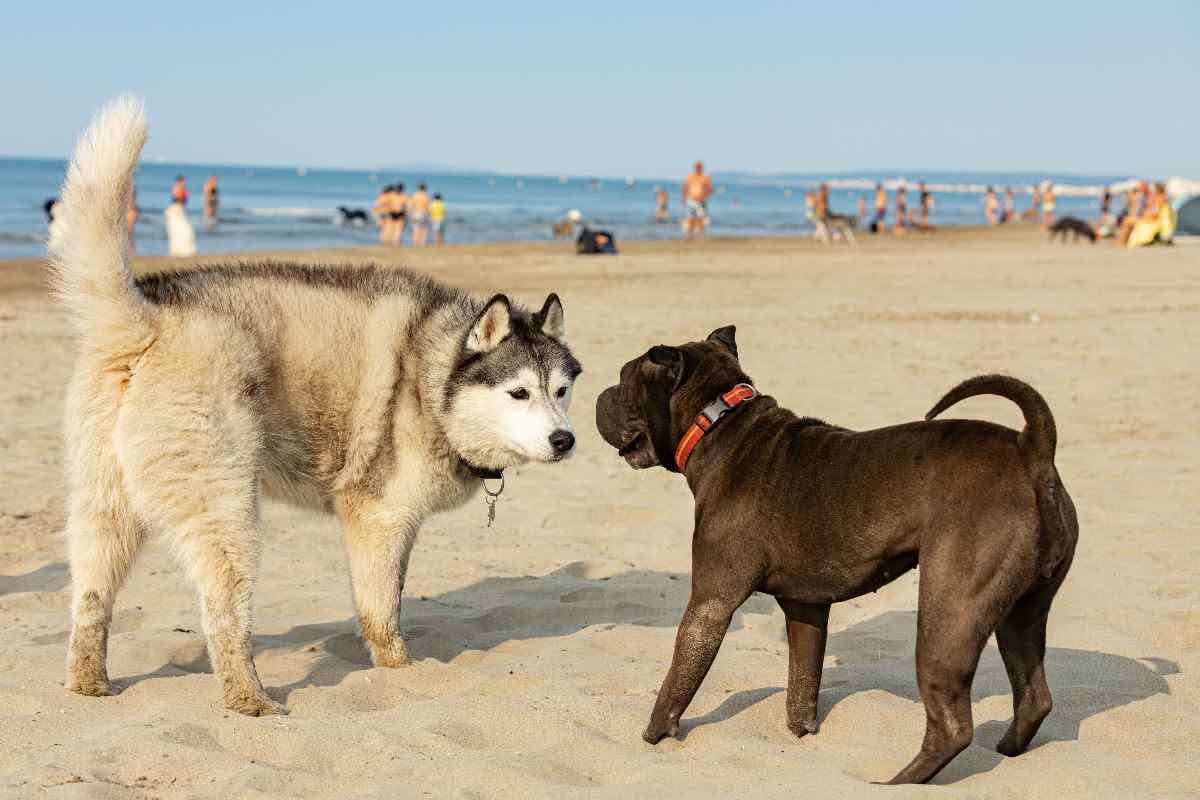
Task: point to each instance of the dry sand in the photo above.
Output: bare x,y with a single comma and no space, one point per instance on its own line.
542,641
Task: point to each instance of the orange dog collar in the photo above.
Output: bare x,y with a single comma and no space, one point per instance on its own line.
708,417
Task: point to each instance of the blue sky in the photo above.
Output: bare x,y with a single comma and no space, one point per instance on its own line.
525,87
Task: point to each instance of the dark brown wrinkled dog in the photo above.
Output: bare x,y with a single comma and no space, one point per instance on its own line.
815,514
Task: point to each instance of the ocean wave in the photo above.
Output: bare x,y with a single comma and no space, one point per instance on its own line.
22,238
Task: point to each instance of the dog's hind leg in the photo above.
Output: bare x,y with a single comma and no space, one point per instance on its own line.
378,545
191,453
1022,639
807,624
102,533
954,621
101,542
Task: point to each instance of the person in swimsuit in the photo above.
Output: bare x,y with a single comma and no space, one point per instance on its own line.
1048,206
660,212
990,205
132,212
901,212
382,212
1009,205
418,214
397,210
437,218
697,188
179,192
926,206
862,208
879,224
210,201
1035,203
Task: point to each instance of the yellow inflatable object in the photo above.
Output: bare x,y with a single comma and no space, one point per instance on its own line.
1159,229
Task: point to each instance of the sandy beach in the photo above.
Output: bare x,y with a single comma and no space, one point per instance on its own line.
541,642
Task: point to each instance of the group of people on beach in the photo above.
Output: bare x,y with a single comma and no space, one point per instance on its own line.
1041,205
395,210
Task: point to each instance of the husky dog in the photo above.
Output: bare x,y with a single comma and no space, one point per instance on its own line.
378,395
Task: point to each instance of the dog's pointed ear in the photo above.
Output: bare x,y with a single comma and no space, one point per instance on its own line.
492,325
726,337
550,318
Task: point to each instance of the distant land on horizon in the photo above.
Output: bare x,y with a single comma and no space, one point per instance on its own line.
434,168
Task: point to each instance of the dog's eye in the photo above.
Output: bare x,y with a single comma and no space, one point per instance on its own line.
562,392
519,394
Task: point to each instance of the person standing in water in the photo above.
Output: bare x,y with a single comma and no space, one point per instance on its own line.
1010,206
862,209
418,215
437,218
131,216
879,224
660,213
210,201
383,213
926,206
1048,206
697,188
990,205
901,211
399,212
179,192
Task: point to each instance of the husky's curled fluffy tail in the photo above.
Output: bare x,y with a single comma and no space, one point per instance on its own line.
1037,443
89,248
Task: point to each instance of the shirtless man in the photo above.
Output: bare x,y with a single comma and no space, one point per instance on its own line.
697,188
879,224
211,200
418,214
397,209
383,214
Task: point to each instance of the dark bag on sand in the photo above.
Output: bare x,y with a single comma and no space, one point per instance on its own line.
592,242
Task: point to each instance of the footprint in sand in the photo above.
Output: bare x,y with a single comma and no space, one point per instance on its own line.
580,595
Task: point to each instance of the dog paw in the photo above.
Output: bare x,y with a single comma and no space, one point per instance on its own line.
802,728
256,706
655,733
94,687
1008,746
391,654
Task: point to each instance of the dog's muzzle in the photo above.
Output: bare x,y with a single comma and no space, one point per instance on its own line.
628,436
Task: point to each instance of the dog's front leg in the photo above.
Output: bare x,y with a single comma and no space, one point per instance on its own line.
807,624
378,545
696,644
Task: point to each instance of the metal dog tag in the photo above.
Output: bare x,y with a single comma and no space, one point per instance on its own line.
491,499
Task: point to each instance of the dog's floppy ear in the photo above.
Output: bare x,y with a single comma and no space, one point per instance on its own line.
550,318
492,325
669,357
725,337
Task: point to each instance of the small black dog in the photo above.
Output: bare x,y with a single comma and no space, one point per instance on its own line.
353,216
1074,226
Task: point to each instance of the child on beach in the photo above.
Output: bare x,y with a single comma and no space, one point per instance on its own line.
437,218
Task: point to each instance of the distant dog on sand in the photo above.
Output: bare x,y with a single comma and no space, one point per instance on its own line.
375,394
181,236
353,216
1074,226
815,514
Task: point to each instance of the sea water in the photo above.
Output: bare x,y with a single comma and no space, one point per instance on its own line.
274,208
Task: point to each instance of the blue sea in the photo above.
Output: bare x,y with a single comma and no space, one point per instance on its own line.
273,208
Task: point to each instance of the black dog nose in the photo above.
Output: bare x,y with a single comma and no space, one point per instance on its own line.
562,441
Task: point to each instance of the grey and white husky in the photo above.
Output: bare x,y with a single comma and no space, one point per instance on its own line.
375,394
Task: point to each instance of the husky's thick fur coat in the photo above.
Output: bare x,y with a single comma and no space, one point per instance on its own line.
375,394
